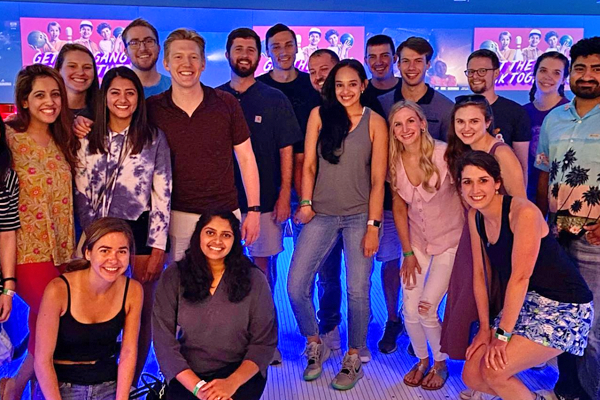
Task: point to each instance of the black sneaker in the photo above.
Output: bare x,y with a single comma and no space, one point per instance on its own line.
410,350
388,344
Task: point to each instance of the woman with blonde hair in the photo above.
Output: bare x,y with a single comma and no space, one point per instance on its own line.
429,218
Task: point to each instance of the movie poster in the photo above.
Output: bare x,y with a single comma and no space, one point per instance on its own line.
10,58
43,38
519,48
345,41
451,48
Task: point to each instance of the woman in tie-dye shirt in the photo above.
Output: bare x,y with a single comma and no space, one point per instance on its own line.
124,171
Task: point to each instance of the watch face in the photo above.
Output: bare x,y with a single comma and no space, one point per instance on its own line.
500,331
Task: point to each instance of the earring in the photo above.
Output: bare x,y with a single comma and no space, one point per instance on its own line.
422,130
497,192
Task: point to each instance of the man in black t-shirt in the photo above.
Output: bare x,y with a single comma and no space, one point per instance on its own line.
380,59
511,122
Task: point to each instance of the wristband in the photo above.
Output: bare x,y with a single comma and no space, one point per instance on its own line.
9,279
198,386
8,292
305,203
501,334
254,209
408,253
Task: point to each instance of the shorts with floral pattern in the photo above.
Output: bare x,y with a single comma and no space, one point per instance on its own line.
563,326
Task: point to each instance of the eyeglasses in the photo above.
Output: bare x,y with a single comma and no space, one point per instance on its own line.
471,98
481,71
148,43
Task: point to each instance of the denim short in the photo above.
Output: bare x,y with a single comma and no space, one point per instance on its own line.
563,326
100,391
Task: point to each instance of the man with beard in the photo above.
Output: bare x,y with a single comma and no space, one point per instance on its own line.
567,155
282,48
274,129
319,65
511,122
143,47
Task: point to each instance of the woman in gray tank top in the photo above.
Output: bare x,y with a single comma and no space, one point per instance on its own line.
342,196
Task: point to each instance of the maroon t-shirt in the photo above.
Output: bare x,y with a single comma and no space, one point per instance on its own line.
202,149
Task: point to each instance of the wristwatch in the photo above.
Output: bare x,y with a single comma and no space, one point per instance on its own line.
374,222
254,209
501,334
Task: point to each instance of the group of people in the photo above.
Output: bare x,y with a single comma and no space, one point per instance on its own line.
112,40
142,171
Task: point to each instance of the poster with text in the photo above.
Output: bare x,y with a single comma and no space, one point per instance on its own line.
43,38
10,58
519,48
345,41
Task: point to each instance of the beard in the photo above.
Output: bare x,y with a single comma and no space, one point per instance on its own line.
586,93
246,72
146,68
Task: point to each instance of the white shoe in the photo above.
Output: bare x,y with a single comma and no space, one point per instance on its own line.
332,339
470,394
364,354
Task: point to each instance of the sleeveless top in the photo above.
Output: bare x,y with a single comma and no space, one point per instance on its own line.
344,188
492,152
77,341
554,274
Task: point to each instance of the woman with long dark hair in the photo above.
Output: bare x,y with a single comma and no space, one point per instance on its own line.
547,92
223,305
547,308
44,152
344,200
83,313
124,171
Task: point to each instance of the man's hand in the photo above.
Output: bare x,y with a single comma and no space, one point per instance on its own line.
593,233
283,208
251,228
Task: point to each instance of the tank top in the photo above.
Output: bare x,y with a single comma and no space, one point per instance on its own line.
554,274
492,152
344,188
77,341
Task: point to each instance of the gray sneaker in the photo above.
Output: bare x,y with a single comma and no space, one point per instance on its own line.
332,339
316,354
350,373
365,354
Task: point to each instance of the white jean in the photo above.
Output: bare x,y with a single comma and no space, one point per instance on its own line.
431,286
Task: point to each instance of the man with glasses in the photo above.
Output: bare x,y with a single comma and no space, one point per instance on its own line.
568,156
511,122
141,43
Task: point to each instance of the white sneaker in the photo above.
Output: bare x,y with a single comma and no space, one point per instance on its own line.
332,339
364,354
316,354
470,394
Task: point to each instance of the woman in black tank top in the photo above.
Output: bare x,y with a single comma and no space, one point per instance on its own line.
547,308
82,314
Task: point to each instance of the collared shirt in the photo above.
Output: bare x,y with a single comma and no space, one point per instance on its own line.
273,124
91,46
163,84
45,200
569,150
202,149
531,53
143,183
435,219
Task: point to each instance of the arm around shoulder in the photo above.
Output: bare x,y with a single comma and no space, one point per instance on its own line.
512,172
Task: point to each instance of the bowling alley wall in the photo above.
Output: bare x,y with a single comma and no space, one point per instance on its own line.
453,35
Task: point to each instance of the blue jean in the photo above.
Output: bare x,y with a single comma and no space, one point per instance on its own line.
101,391
316,241
587,257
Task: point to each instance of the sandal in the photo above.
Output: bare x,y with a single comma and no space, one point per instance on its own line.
422,368
7,388
442,373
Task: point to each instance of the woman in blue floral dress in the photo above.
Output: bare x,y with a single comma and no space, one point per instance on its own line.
548,306
124,171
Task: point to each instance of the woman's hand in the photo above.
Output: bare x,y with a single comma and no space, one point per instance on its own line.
495,356
218,389
304,215
5,307
409,269
82,126
370,241
482,338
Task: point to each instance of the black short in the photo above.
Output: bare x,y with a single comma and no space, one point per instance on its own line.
140,229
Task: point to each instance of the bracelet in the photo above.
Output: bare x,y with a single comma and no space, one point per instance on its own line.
305,203
198,386
9,279
9,292
254,209
408,253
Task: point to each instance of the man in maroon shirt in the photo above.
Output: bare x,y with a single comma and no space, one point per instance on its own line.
204,127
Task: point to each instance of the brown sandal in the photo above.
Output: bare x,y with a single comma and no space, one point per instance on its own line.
7,388
442,373
422,368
